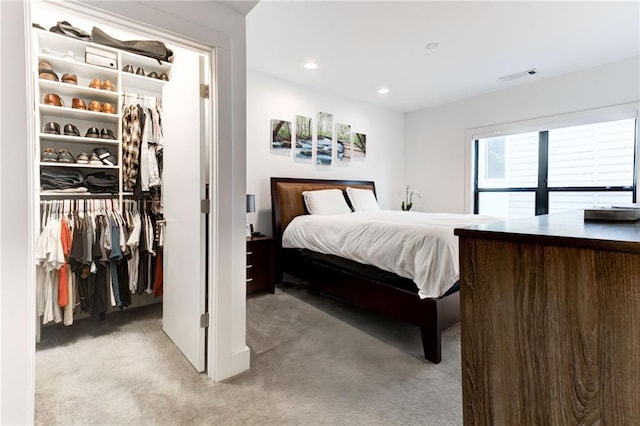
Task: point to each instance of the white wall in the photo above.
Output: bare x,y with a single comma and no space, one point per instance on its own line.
207,22
17,312
272,98
436,144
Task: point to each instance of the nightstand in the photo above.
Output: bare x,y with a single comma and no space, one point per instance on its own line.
260,264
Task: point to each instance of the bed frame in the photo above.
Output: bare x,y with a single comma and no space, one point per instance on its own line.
431,315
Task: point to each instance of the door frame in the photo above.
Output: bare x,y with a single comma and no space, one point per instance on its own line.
228,354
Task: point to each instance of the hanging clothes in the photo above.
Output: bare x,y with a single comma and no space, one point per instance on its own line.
131,138
88,258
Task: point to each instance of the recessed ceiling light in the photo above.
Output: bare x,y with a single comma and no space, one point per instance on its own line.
383,91
310,66
432,45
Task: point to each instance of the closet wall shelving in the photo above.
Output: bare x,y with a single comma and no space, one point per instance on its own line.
67,55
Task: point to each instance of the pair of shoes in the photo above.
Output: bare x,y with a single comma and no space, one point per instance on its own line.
53,99
92,159
49,156
96,83
105,156
83,158
92,132
51,128
155,75
129,68
54,129
70,78
71,130
105,107
63,156
46,72
107,134
78,103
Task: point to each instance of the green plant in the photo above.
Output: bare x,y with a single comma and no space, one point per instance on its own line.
408,198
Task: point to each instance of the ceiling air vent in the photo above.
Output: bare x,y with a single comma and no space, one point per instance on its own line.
520,74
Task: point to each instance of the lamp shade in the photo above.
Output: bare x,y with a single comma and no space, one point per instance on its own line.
251,203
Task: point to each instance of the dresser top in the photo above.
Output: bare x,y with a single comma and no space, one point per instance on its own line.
565,229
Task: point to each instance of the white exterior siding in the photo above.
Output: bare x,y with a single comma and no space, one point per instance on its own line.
600,154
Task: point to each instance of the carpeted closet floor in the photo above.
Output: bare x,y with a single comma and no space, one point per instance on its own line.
314,361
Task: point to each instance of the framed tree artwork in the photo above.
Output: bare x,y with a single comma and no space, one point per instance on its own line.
343,143
324,141
359,145
281,137
304,139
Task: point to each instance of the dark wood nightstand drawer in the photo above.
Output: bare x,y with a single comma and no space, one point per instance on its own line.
260,264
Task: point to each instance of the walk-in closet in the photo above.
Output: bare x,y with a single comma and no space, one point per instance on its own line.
121,137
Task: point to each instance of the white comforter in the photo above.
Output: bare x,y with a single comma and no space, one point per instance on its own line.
419,246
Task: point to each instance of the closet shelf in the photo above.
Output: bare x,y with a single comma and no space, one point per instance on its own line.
62,65
80,114
77,139
78,91
77,166
60,194
61,44
139,82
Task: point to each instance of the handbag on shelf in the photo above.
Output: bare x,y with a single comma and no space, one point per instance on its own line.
151,48
66,29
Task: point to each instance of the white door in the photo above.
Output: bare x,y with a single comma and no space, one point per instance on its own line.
184,177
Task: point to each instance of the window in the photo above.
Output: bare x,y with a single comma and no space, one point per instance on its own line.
554,170
495,158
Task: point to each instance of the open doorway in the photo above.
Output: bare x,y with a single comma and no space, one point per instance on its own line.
152,147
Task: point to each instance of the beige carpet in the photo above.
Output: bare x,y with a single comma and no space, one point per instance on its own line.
314,361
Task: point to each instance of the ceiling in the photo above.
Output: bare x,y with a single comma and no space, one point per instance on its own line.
362,46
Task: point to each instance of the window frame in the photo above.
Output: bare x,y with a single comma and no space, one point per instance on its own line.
542,190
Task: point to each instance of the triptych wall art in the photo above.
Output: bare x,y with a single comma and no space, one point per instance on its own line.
330,144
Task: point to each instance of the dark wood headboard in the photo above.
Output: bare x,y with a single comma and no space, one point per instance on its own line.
287,201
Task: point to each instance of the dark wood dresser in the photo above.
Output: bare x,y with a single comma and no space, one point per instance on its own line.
260,264
550,313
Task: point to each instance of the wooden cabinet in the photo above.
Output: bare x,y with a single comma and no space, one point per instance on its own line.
550,321
260,264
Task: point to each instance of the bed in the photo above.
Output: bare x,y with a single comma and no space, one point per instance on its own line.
360,284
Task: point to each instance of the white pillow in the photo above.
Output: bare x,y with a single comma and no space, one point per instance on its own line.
325,201
362,200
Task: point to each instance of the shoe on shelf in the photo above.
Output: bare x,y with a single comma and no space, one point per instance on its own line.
92,132
83,158
140,71
96,83
164,76
49,156
52,99
153,74
94,160
71,130
95,106
70,78
128,68
44,65
108,108
51,128
101,152
108,85
107,134
78,103
48,74
65,156
110,161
